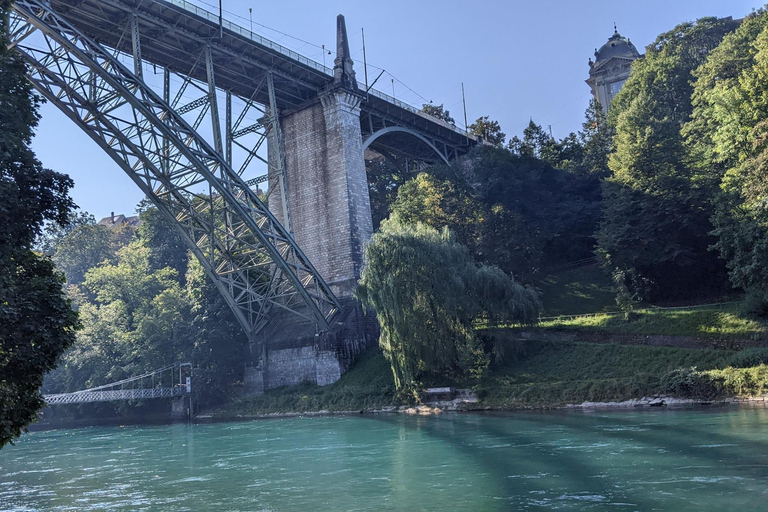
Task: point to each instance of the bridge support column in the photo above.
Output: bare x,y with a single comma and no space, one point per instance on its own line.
327,187
327,191
180,408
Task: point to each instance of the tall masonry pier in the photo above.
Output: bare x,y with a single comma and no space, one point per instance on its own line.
328,211
327,189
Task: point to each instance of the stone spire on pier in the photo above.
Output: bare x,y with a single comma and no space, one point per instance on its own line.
343,74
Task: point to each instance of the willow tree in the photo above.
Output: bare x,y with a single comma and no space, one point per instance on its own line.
427,292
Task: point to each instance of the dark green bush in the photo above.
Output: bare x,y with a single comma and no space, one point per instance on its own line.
755,303
689,383
748,358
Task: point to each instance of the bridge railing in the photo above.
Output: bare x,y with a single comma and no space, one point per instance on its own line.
233,27
249,34
83,397
160,383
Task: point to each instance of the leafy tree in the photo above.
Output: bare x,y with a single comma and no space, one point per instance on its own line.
36,321
218,339
438,111
515,212
166,246
595,140
137,317
82,249
489,130
656,219
137,321
728,138
427,291
384,180
53,233
537,143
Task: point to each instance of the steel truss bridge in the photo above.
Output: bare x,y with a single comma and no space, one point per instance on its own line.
183,102
160,383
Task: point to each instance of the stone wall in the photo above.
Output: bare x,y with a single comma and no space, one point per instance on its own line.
293,366
296,354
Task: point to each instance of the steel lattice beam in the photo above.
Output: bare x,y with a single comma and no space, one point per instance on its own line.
86,397
250,257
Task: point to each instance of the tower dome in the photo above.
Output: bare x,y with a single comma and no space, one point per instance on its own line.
616,46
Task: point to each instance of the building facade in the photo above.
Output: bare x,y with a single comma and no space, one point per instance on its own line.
611,67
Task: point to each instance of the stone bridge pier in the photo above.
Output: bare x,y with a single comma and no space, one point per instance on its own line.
328,211
327,189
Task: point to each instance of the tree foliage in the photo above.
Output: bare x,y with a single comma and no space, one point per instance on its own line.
728,138
82,249
656,220
384,181
148,306
438,111
514,211
168,248
36,321
427,291
489,130
53,232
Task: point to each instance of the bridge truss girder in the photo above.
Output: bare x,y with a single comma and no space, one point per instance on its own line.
250,257
386,131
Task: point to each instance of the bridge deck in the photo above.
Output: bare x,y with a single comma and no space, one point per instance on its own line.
176,32
83,397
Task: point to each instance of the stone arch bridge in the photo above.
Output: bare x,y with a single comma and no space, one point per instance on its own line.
198,111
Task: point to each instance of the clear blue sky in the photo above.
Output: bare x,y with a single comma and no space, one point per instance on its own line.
518,60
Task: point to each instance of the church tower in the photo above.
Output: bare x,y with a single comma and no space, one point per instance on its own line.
609,71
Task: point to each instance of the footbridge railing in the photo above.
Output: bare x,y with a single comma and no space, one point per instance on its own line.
167,382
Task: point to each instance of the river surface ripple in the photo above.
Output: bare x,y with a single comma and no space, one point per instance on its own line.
638,460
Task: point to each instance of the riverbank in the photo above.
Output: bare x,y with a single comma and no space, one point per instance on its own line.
540,372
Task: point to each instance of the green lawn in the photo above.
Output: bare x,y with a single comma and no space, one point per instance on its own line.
728,322
556,373
547,373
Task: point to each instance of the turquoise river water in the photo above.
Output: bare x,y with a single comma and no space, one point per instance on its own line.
675,460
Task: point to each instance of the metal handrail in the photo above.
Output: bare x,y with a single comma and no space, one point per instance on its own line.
105,393
249,34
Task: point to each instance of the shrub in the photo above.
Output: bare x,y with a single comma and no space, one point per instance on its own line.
741,381
689,383
748,358
755,303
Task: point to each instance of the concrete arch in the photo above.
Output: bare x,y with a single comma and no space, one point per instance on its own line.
390,129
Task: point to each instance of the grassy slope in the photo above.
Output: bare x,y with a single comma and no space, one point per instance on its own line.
587,290
557,373
705,323
545,373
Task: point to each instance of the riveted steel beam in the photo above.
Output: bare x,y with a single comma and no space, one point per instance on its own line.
250,257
